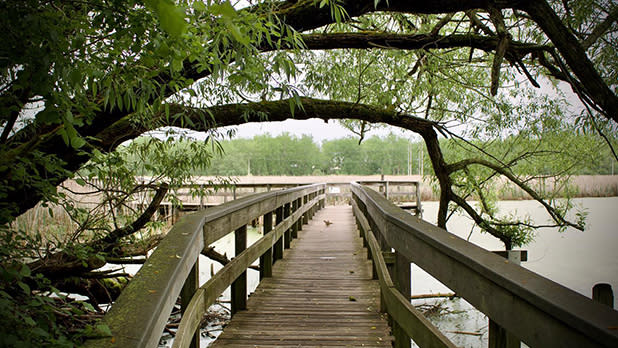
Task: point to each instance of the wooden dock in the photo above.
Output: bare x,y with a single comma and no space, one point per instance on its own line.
321,293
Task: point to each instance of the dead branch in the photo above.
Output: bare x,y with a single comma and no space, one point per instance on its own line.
436,295
212,254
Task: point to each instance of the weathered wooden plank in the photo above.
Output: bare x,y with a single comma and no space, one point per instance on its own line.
321,293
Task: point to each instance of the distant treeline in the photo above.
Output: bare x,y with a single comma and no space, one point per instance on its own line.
395,155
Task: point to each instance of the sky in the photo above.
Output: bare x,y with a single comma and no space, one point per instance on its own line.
318,129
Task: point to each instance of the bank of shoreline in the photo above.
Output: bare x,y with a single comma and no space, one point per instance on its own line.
580,185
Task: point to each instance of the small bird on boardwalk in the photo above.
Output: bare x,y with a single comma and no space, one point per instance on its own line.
327,223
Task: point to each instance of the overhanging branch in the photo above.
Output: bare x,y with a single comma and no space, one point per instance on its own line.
556,216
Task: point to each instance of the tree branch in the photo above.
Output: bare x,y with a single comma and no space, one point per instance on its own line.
601,28
496,17
557,217
574,54
111,240
212,254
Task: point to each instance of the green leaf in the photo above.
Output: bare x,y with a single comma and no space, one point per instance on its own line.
29,321
104,329
236,33
171,17
25,271
48,116
89,307
75,77
24,287
225,10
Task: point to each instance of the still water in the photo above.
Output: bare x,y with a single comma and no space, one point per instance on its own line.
575,259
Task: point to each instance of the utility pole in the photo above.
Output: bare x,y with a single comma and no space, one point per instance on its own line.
420,159
409,157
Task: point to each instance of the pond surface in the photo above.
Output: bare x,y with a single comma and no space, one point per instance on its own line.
574,259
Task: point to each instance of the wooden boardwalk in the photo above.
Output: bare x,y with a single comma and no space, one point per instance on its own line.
321,293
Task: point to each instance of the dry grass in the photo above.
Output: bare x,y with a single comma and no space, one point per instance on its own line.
579,186
52,223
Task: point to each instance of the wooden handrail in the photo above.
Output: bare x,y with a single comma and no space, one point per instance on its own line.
212,289
536,310
140,313
399,307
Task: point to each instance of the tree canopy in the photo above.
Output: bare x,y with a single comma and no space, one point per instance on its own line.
79,78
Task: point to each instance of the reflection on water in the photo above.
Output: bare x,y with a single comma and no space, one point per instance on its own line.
574,259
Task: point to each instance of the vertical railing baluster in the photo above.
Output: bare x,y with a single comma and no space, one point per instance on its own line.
299,223
288,232
419,210
294,231
239,286
266,260
498,336
188,289
306,214
403,283
278,248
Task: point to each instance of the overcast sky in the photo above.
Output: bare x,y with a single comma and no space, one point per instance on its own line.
316,128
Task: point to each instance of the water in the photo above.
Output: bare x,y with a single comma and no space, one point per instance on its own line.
574,259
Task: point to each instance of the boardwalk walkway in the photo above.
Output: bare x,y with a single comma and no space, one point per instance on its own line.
321,294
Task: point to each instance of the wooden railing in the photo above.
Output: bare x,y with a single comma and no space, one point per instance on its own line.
139,315
396,190
534,309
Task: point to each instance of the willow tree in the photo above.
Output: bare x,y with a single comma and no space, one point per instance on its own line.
79,78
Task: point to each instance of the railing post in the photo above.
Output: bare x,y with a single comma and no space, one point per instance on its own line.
386,189
188,289
278,248
306,214
299,223
266,260
239,286
419,210
402,282
385,249
603,293
498,336
294,231
288,232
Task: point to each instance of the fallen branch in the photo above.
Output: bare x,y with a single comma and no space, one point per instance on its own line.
436,295
212,254
466,333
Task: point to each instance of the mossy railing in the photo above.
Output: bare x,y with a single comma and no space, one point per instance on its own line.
139,315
